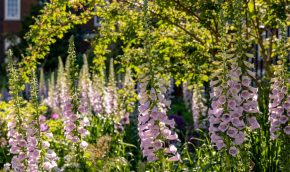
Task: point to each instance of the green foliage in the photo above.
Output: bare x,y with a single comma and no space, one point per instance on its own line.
192,41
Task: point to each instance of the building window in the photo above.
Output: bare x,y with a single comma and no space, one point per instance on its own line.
12,9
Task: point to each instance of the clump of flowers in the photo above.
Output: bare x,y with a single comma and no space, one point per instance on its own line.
234,104
111,99
155,129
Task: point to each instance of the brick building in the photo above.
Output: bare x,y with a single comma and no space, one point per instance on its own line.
12,13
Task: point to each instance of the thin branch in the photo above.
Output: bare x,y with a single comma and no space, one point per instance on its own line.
169,21
214,29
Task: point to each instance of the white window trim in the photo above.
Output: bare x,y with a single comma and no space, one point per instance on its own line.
97,21
16,18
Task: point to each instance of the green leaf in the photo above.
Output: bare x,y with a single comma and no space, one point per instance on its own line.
204,78
249,55
128,144
251,6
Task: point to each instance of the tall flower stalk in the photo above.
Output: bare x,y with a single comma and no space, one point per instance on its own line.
187,95
198,109
279,105
42,85
96,94
111,99
127,98
74,122
155,129
234,100
40,157
26,134
16,129
234,103
84,85
56,91
50,100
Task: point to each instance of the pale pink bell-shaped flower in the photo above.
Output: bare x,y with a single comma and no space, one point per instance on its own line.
287,130
220,144
174,158
253,123
233,151
84,144
232,132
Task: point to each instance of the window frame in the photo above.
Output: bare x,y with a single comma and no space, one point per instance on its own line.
97,21
14,18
